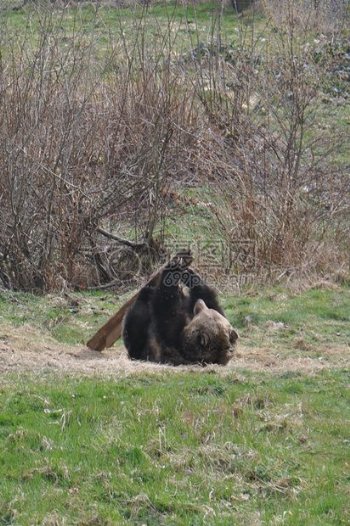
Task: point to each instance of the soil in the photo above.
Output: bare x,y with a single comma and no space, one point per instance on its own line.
25,349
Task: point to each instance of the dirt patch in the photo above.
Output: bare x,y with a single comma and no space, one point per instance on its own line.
25,349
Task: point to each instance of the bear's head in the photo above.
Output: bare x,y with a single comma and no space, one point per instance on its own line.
208,337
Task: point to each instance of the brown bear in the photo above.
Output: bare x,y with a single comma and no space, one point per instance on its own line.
177,319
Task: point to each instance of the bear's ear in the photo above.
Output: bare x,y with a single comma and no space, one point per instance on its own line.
199,306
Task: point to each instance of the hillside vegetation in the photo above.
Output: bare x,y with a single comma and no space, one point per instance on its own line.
172,125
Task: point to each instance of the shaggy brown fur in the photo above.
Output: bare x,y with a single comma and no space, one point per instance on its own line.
178,320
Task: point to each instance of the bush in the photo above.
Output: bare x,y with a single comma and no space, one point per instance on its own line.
98,135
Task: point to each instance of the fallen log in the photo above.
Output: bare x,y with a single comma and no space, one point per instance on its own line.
111,331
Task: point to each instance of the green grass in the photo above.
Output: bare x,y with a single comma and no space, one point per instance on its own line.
315,317
176,449
67,319
107,21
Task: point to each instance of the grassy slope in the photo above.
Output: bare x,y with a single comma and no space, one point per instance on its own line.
187,23
184,448
176,449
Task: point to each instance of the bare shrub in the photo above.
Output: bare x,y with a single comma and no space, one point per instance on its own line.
100,142
82,142
280,200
